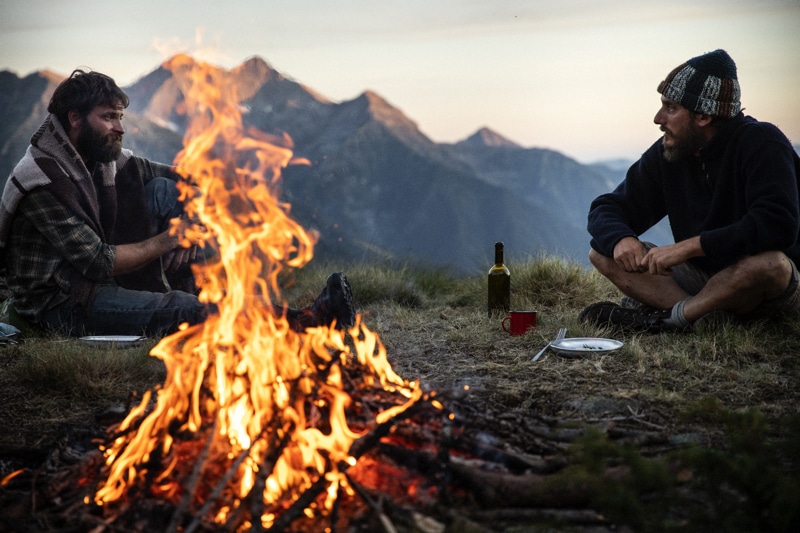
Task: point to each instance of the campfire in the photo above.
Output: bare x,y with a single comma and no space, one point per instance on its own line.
252,415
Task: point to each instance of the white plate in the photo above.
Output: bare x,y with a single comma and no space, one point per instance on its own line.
116,341
582,346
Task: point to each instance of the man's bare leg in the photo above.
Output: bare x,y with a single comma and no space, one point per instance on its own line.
741,287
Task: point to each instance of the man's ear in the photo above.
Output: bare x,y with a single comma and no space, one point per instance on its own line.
74,119
703,120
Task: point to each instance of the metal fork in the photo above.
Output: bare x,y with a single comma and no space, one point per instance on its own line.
561,334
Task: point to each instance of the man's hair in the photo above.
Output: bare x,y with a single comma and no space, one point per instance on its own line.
82,92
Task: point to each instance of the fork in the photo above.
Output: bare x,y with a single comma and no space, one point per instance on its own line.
561,334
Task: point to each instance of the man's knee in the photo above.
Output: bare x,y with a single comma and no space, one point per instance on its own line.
594,256
161,195
771,271
601,262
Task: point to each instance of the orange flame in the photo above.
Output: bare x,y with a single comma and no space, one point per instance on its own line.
244,376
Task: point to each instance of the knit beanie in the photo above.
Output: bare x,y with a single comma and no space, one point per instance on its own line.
705,84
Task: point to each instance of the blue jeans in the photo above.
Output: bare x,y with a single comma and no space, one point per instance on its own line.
119,311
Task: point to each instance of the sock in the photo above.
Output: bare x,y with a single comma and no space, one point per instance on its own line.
677,318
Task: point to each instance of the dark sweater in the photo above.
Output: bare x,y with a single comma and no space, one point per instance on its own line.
741,196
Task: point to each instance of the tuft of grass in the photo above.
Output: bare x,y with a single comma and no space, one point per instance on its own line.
73,370
552,282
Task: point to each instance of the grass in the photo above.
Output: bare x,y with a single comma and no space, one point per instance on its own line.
736,386
52,385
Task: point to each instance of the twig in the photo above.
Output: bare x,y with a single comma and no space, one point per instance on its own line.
442,472
388,527
366,442
335,510
574,516
257,492
296,509
220,486
633,417
98,522
193,480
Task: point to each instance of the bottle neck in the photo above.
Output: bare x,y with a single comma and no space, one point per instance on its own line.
498,255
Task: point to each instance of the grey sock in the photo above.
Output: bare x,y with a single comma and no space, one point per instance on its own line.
677,317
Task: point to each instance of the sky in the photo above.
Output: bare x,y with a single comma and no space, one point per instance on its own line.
576,76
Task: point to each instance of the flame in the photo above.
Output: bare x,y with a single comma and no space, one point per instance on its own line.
243,377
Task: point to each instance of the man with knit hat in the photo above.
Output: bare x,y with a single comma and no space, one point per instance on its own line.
729,187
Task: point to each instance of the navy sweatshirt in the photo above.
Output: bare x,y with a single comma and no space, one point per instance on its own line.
741,196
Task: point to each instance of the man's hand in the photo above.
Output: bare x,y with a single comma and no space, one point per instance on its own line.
660,260
629,253
178,257
185,232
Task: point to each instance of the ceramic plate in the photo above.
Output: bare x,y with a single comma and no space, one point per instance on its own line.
116,341
583,346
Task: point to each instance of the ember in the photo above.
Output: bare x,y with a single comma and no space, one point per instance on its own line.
251,413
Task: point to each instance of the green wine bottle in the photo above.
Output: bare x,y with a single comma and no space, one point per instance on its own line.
499,284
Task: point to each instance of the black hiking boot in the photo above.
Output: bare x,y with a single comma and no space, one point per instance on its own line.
335,302
333,305
631,303
614,316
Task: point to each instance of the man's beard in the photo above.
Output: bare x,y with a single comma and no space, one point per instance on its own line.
683,146
98,147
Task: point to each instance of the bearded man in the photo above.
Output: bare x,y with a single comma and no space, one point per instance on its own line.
729,186
85,229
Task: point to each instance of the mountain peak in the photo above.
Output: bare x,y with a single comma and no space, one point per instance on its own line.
257,68
51,76
488,137
385,112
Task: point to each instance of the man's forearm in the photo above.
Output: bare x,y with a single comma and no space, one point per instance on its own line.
661,259
129,257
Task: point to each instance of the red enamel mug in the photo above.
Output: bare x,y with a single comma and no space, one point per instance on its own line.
520,322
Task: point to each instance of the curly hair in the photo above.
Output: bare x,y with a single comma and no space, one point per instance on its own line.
83,91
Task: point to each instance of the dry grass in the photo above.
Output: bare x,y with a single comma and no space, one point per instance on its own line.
52,386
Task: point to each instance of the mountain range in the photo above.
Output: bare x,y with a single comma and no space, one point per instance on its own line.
376,188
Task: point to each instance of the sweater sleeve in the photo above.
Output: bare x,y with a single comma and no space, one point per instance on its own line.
771,219
151,169
632,208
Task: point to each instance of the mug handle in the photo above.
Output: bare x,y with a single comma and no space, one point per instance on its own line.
503,323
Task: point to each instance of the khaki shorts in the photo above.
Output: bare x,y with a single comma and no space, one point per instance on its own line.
692,279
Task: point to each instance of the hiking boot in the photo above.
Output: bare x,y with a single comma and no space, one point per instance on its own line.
632,303
609,314
335,302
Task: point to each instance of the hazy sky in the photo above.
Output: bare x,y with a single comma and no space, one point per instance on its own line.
577,76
